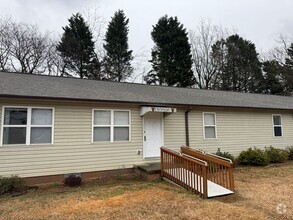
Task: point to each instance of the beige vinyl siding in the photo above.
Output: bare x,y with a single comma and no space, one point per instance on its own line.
239,129
72,150
174,129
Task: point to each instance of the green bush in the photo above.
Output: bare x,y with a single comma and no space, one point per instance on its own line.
254,156
290,153
225,154
11,184
276,155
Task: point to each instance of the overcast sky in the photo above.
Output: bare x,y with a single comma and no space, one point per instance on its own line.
260,21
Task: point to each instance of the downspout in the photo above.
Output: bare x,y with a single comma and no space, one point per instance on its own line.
187,127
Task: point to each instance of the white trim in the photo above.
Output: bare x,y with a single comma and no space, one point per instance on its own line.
2,129
214,126
111,126
28,125
277,125
143,148
163,134
143,142
92,125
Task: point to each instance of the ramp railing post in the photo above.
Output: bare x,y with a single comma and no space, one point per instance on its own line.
231,177
205,182
162,162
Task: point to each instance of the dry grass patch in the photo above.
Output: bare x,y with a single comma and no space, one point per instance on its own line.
259,191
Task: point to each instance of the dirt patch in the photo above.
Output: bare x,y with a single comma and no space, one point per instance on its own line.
231,198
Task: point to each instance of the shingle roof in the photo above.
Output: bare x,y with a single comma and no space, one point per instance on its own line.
39,86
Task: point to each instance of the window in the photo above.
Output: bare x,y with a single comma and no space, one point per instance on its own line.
26,125
277,125
111,125
209,122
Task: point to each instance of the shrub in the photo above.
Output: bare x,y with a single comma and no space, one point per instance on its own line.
72,179
11,184
290,153
276,155
254,156
225,154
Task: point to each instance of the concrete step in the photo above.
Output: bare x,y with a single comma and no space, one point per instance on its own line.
148,171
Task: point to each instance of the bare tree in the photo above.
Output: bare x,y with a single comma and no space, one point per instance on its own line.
140,66
279,52
25,48
5,43
54,64
97,25
202,39
29,48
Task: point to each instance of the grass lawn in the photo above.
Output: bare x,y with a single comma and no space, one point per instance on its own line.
258,193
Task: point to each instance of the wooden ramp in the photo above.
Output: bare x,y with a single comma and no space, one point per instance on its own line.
195,181
206,175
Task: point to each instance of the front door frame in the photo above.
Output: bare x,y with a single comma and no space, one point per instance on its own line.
143,142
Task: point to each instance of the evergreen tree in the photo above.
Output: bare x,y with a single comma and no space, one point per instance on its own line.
239,66
289,70
77,49
274,81
117,62
279,75
171,55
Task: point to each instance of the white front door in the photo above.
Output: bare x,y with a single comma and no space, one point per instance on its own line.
152,134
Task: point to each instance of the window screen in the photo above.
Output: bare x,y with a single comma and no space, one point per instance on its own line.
277,125
27,126
209,125
111,125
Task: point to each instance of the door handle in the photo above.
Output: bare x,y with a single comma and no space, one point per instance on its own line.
144,138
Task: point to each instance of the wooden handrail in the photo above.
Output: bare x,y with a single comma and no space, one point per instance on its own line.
188,157
196,159
219,171
223,158
184,170
201,155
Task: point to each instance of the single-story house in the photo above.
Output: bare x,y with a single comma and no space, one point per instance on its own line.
51,126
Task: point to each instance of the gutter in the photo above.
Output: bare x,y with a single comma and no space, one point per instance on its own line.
187,127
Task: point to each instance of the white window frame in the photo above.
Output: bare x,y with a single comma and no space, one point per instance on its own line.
204,126
277,125
28,126
112,126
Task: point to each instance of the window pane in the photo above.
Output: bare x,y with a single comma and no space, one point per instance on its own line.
278,131
121,134
210,132
41,135
102,134
15,116
121,118
41,116
102,118
14,136
277,119
209,119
